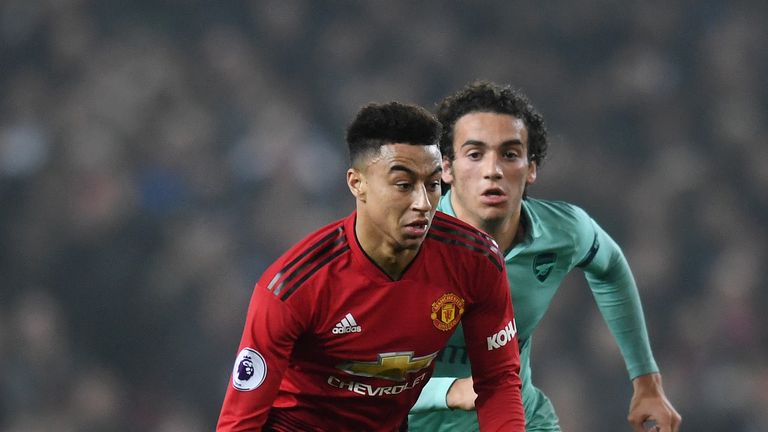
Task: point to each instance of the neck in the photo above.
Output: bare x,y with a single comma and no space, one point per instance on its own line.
388,256
507,232
393,265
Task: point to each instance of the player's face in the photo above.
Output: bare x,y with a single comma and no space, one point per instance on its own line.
397,193
491,169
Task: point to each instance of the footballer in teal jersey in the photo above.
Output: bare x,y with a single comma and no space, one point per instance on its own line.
493,144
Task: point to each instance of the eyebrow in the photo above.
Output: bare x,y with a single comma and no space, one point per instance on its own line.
511,142
407,170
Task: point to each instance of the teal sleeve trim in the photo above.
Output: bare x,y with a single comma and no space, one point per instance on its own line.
433,395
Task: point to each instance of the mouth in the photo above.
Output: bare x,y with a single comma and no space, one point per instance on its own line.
417,228
493,192
493,196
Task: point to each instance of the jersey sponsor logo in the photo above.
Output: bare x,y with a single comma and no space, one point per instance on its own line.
447,311
543,265
249,371
347,325
371,390
503,337
393,366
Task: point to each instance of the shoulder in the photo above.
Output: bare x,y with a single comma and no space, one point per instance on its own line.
559,218
556,209
306,258
564,226
333,233
463,239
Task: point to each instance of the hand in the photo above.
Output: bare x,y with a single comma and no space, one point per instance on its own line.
649,405
461,395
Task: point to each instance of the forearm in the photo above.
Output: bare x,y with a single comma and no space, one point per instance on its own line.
616,294
500,395
433,396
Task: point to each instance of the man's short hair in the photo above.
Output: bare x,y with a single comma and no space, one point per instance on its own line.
485,96
391,123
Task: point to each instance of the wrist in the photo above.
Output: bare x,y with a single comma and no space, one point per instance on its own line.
648,384
449,402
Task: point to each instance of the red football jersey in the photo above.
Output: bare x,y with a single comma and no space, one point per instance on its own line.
332,343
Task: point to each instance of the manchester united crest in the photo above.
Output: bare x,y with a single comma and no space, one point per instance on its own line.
447,311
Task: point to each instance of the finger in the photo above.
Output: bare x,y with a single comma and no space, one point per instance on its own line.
663,426
638,426
668,423
651,426
676,420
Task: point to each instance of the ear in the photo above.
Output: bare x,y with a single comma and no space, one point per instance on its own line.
532,171
447,175
356,183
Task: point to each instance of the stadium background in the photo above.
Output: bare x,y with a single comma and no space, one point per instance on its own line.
155,156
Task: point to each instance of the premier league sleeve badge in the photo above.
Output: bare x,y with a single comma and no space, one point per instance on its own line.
249,371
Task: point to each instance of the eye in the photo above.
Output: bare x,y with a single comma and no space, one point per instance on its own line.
403,186
433,185
511,155
474,155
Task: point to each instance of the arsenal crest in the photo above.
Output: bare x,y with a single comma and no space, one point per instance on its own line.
543,265
447,311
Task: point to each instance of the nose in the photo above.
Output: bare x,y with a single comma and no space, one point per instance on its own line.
492,167
421,199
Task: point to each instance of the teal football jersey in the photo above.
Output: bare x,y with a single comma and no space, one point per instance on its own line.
560,237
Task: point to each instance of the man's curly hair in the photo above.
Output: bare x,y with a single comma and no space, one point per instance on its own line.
485,96
379,124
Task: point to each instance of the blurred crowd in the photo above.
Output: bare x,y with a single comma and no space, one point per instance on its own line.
156,156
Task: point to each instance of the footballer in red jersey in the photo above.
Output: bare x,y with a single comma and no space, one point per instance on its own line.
343,329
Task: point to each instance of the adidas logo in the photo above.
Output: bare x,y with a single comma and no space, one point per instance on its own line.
347,325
